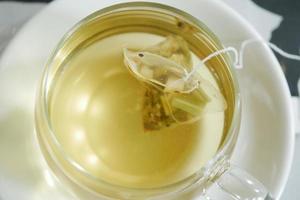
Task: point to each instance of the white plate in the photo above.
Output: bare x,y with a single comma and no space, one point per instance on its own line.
265,145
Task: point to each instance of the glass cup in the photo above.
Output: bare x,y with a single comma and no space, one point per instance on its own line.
218,179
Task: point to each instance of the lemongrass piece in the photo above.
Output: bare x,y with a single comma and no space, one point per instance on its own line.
165,106
218,102
201,95
186,106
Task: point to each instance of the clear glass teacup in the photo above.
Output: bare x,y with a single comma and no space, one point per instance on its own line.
215,178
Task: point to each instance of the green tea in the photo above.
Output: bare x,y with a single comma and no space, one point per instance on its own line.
96,113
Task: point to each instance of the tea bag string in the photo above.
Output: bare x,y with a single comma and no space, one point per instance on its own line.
214,54
239,56
295,100
271,45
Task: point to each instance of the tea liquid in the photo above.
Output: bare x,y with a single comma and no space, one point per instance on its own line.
96,113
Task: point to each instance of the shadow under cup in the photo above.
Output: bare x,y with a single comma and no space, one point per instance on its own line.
135,17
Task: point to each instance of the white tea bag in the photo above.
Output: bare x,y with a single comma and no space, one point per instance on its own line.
172,95
156,70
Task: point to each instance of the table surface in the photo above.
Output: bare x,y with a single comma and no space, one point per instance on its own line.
270,25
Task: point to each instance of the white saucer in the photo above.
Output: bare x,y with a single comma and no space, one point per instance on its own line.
265,145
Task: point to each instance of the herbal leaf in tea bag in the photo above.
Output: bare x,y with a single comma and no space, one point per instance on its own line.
154,69
156,114
201,99
174,48
171,96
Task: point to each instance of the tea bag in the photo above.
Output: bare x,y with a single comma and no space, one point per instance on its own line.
172,95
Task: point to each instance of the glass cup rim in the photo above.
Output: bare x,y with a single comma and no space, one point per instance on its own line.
42,94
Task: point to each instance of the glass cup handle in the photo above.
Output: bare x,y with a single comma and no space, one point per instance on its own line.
235,184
